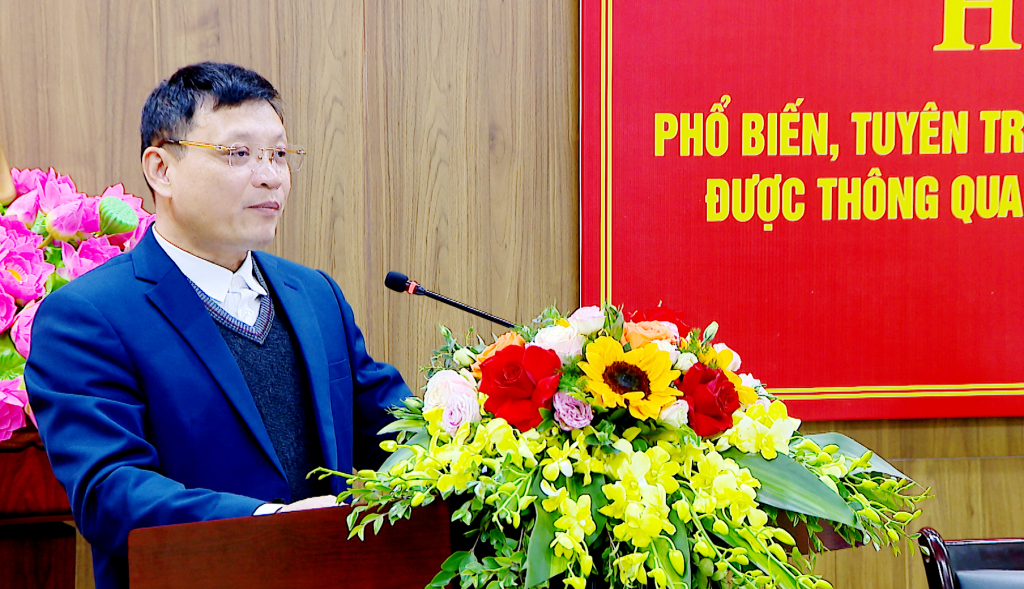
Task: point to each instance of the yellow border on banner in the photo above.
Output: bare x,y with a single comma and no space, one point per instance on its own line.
604,52
606,151
900,392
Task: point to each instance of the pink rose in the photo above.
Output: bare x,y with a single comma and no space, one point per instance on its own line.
23,274
461,408
13,400
570,412
587,320
442,386
21,329
90,254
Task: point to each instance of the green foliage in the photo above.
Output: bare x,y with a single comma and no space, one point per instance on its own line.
12,365
786,484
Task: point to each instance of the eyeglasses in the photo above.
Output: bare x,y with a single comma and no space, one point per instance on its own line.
241,155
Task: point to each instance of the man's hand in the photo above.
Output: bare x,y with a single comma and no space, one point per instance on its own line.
311,503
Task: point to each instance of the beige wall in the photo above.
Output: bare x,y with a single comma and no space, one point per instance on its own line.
444,144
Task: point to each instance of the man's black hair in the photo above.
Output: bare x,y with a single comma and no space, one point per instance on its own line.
169,109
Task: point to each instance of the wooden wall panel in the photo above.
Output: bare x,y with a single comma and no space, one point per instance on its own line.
934,438
472,151
73,77
313,53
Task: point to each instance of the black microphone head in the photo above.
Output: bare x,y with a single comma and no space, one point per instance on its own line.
396,281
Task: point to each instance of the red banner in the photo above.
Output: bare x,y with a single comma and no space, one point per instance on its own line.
835,183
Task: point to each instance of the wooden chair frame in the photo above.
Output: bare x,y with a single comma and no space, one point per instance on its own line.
944,558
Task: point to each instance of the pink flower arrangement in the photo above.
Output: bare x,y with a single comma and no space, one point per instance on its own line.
13,401
50,234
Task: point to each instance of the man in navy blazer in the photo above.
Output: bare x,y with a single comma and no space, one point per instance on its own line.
194,378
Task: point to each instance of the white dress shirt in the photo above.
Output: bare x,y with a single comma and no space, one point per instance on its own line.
236,292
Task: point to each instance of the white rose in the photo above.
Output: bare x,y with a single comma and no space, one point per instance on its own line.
587,320
735,364
462,408
748,380
442,386
685,361
673,352
564,341
676,415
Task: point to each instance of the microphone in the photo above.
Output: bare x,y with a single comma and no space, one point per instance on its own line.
399,282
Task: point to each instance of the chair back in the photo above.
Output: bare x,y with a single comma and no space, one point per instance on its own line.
943,559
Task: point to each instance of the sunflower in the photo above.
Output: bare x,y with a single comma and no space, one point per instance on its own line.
638,379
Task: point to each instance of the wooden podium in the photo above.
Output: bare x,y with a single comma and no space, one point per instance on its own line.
295,550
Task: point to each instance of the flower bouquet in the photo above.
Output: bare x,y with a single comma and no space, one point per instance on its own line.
601,450
50,234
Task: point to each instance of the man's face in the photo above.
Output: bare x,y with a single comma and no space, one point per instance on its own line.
219,212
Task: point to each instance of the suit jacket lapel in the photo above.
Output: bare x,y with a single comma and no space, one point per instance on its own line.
176,299
299,310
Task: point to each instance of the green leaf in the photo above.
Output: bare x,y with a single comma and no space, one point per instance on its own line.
53,255
453,563
781,576
442,579
11,361
681,541
421,438
55,281
401,425
786,484
854,449
541,563
39,225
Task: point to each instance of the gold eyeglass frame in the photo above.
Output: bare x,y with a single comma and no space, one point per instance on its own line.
291,149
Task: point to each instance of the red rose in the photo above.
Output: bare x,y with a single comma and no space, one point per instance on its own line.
661,314
519,381
712,398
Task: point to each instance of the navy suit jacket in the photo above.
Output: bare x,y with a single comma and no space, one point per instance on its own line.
146,417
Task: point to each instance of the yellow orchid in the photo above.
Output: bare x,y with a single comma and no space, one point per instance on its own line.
757,429
555,496
747,395
663,469
558,461
616,494
576,521
640,526
631,568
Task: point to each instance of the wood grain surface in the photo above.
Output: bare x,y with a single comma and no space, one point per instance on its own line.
29,489
443,139
302,550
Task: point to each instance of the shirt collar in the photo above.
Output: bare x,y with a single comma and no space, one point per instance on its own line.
212,279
